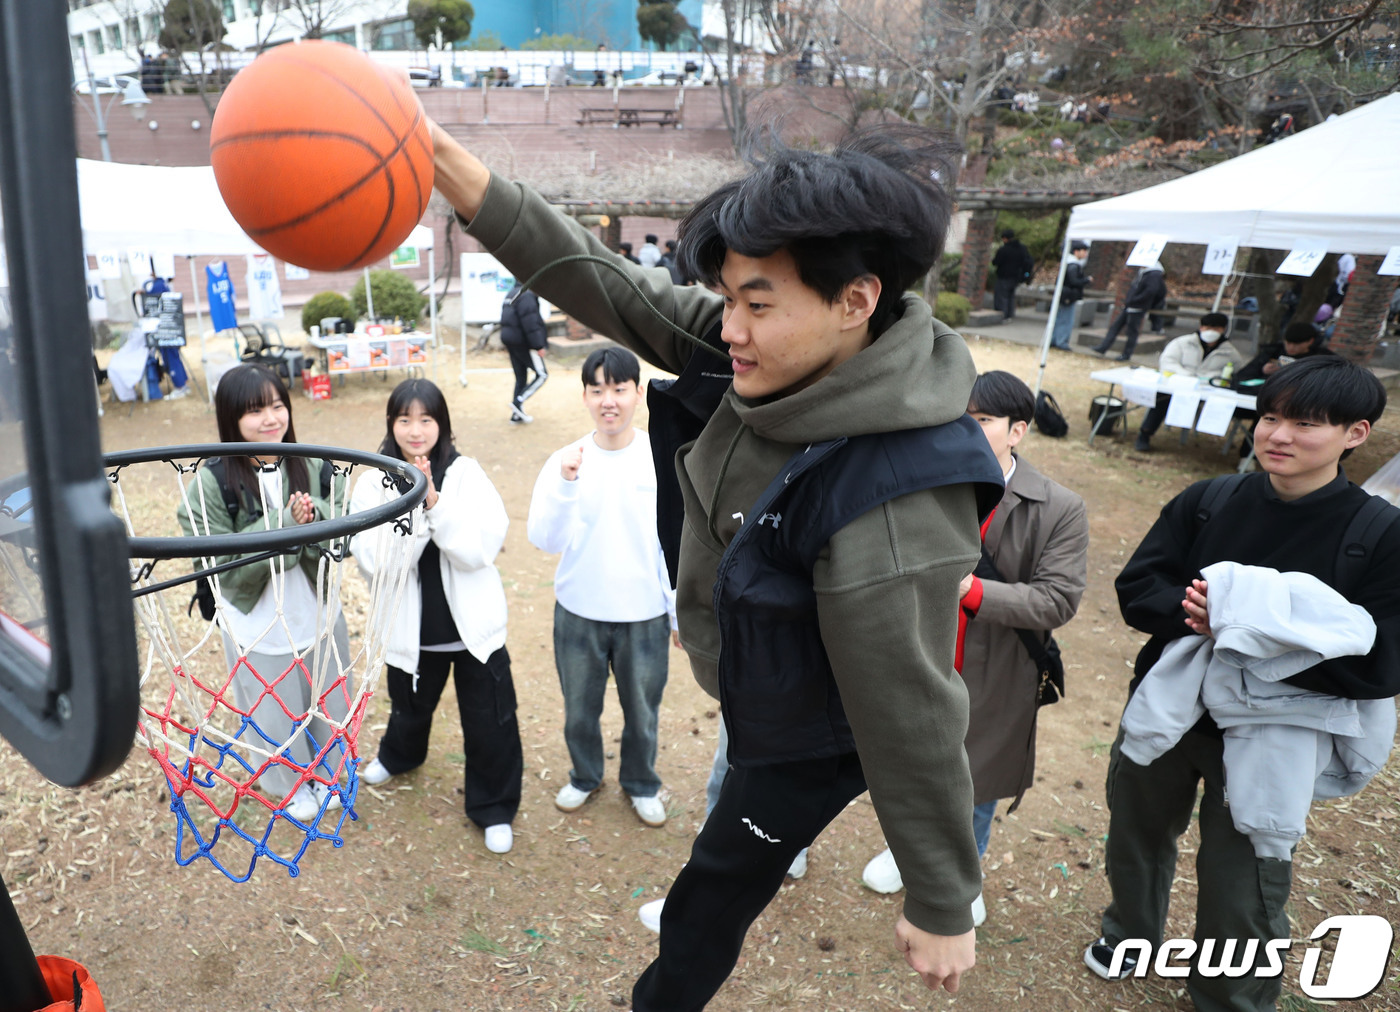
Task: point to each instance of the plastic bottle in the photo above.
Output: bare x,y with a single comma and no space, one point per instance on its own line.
1227,372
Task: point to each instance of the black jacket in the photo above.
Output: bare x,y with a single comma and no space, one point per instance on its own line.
1013,261
521,322
1149,291
1254,368
1075,283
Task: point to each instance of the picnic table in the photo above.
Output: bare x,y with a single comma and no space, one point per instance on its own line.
1199,401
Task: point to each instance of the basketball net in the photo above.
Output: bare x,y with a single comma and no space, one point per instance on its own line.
257,729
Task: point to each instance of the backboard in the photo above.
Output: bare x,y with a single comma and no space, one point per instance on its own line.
68,664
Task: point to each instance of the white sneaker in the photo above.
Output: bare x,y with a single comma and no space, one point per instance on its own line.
650,914
177,393
520,418
571,799
650,810
882,874
500,838
979,912
304,805
374,773
333,802
798,868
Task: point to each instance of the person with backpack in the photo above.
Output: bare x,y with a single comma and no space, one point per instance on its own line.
1299,515
1148,290
819,492
267,611
1029,581
526,340
452,616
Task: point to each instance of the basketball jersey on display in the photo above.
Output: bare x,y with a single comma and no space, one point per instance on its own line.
264,290
221,314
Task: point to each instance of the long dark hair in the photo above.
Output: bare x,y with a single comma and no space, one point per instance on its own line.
434,405
242,389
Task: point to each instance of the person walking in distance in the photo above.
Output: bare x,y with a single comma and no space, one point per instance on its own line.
1148,290
595,504
525,339
1014,266
1071,294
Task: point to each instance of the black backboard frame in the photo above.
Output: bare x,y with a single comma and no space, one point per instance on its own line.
76,720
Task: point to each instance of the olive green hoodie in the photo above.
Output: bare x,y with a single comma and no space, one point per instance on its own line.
886,584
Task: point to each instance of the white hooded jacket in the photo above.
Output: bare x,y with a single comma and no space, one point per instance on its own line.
468,524
1284,746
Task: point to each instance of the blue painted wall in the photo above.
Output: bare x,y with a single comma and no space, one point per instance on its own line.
610,21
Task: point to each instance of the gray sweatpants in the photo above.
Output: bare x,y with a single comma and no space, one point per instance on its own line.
294,690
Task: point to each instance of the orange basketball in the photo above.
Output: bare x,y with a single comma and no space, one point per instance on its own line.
322,156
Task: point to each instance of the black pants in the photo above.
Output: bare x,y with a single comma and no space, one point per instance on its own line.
1127,322
1152,420
490,734
525,361
764,817
1238,895
1004,296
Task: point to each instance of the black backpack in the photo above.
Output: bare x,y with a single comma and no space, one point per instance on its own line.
1049,419
1363,533
203,589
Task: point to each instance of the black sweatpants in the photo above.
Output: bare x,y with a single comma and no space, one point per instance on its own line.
765,815
490,734
525,361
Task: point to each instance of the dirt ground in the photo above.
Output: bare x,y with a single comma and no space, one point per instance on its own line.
413,913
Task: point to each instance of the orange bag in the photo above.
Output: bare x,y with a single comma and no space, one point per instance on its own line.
59,975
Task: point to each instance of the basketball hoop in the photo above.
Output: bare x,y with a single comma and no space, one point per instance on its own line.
259,763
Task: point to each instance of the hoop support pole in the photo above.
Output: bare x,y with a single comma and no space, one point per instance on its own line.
22,987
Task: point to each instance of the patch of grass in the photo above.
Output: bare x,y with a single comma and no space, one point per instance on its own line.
478,942
347,970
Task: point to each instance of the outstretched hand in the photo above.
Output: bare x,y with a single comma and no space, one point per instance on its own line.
940,960
430,500
1197,614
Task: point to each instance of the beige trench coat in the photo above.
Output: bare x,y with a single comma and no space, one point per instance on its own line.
1039,540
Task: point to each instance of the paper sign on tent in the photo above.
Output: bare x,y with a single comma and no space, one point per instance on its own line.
1147,251
1220,255
139,259
164,263
109,265
295,273
1304,258
1390,266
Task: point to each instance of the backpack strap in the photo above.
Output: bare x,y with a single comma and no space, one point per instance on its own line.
1368,525
1217,492
229,494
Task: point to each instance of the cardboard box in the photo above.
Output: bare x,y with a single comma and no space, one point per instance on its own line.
317,386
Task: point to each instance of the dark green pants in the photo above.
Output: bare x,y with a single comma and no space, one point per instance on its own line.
1238,895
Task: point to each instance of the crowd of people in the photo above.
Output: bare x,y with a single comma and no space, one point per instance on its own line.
830,515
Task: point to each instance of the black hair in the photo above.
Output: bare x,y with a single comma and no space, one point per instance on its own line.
434,405
1078,244
651,239
1001,395
245,388
618,364
878,204
1300,332
1323,388
1216,320
670,244
1007,233
625,247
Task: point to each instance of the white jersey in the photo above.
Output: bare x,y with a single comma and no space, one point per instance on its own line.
264,290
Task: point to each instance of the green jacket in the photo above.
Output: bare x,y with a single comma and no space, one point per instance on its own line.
243,586
887,584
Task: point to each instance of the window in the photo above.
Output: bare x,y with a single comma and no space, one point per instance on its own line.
345,35
229,13
114,36
95,43
393,35
133,31
77,43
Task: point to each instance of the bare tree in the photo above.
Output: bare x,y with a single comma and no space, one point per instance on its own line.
316,17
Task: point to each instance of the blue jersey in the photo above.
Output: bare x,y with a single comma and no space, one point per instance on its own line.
221,313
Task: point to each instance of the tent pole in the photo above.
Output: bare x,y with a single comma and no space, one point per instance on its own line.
369,296
462,343
1054,313
432,309
1220,292
199,322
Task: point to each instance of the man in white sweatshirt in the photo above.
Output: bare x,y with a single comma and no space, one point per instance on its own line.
595,502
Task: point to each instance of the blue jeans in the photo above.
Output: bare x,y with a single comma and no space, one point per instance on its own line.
982,825
1064,326
638,653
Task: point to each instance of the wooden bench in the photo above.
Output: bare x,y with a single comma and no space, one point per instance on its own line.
629,117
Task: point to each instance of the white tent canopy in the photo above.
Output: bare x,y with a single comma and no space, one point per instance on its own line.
1334,183
173,209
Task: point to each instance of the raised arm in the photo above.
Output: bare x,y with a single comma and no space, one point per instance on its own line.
524,232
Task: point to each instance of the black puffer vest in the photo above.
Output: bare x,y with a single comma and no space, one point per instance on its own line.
777,691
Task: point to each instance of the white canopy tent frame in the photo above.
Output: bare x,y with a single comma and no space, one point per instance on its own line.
1332,184
178,209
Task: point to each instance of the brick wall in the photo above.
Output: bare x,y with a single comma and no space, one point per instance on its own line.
1364,311
976,257
1103,261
